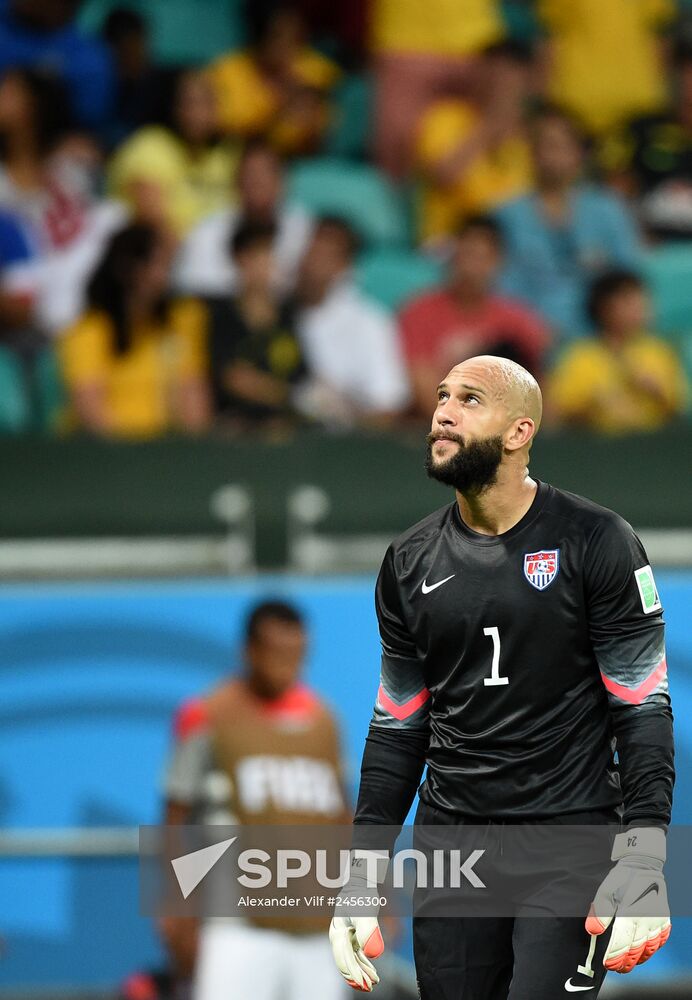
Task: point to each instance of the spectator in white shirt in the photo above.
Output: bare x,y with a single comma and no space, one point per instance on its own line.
48,178
350,343
204,265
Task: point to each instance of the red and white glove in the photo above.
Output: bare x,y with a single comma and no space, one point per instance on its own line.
634,894
354,941
354,932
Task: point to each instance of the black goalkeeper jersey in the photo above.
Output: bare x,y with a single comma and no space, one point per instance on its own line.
518,664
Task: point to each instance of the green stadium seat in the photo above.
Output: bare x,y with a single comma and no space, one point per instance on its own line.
14,402
356,192
49,390
668,270
349,133
682,344
521,21
182,32
393,276
31,399
685,348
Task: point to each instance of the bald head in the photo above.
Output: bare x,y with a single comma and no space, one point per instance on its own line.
508,383
488,410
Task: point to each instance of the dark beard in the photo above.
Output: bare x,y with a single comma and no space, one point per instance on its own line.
471,469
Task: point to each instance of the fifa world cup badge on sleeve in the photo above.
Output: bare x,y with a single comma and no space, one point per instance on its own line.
541,568
647,589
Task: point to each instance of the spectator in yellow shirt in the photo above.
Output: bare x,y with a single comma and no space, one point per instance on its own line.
134,365
424,50
276,88
175,176
604,57
623,379
474,154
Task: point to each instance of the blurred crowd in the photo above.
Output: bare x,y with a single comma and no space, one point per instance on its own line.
313,227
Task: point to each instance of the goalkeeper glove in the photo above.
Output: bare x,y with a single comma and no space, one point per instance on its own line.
634,894
357,939
354,941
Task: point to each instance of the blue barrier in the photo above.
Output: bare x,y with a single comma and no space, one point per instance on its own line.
91,676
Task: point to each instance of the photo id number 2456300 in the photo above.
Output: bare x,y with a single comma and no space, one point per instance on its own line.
360,900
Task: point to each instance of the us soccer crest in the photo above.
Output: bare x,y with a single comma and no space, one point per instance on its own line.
541,568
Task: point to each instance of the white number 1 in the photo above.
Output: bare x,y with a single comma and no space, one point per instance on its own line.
494,678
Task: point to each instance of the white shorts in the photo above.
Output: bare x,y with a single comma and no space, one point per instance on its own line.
237,961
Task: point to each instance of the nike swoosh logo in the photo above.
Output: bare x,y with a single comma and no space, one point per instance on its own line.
575,989
652,888
433,586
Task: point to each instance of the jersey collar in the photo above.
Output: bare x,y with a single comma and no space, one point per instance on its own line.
476,538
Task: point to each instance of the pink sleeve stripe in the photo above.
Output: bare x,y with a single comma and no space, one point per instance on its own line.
408,708
637,695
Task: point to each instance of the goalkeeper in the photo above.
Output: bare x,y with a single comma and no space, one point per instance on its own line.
522,645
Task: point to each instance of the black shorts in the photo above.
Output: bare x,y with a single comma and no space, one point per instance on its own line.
507,958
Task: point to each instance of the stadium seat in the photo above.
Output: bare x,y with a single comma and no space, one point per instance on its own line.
392,276
669,271
49,390
181,32
32,396
682,343
14,403
349,132
356,192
